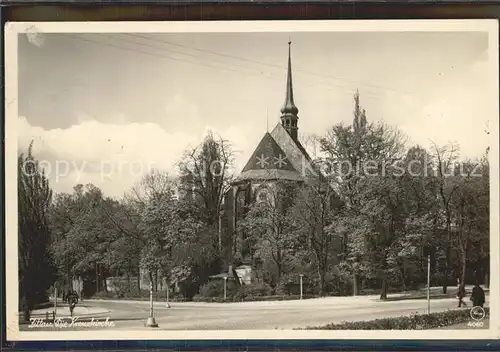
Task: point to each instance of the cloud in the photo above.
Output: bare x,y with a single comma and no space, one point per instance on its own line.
114,156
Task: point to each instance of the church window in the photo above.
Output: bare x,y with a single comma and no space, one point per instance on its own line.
261,196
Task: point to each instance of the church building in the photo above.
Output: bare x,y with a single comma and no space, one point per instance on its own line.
278,157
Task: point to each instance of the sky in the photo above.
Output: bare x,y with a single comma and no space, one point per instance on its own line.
106,108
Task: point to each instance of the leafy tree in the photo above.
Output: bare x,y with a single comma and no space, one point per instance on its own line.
176,241
153,186
357,157
471,211
444,161
84,233
36,269
271,227
316,209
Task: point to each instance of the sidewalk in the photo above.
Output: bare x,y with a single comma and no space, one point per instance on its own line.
63,311
435,293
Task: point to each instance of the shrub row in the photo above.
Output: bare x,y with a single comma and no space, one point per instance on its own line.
139,296
198,298
412,322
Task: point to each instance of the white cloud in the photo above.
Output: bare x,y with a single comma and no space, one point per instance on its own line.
114,156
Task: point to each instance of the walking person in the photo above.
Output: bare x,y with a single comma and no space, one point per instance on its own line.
477,297
72,301
461,295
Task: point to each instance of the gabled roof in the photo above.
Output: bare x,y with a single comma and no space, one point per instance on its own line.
278,156
268,156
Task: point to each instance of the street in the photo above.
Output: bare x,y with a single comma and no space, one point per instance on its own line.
131,315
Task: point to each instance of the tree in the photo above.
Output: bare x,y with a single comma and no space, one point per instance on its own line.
445,159
206,175
356,158
470,207
176,241
85,233
316,209
36,269
153,186
269,224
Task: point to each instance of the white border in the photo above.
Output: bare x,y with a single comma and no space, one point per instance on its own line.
12,29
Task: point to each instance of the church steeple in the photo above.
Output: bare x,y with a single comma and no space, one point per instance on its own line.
289,111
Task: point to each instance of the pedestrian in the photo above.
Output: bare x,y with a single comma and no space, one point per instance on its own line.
72,301
477,297
461,295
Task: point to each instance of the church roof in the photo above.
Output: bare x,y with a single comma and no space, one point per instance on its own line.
278,156
268,156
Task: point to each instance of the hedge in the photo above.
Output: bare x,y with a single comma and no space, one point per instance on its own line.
412,322
251,298
142,296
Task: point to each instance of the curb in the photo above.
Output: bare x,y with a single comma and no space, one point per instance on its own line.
80,315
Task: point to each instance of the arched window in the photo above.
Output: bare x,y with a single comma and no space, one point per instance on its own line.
262,196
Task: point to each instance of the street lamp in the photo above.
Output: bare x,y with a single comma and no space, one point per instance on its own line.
428,284
301,275
55,300
225,287
151,319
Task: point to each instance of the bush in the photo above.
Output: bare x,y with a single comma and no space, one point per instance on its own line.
412,322
238,298
289,284
213,288
143,295
258,290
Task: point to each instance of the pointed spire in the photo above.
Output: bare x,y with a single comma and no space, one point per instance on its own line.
289,107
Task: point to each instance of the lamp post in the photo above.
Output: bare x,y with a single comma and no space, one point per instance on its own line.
55,300
151,319
428,284
225,287
301,275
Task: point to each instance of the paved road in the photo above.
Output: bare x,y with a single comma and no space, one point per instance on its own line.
131,315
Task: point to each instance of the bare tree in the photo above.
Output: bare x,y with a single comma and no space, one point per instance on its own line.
206,173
